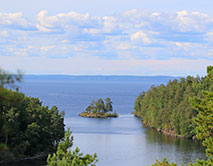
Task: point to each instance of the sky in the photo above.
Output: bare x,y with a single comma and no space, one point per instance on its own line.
122,37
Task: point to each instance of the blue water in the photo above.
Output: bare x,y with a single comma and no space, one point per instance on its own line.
122,141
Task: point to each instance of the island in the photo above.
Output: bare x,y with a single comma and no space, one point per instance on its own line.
99,109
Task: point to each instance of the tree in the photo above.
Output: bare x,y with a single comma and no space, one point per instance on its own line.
66,157
7,99
9,79
91,107
210,72
164,163
204,121
204,126
108,105
99,105
26,127
99,109
168,108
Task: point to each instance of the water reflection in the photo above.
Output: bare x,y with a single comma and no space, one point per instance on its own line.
123,141
186,145
186,149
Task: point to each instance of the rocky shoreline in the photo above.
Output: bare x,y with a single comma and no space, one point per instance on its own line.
98,115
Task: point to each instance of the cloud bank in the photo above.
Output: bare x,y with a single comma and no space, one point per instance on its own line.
126,43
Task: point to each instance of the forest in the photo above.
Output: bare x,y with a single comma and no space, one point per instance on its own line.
168,107
181,108
27,128
31,131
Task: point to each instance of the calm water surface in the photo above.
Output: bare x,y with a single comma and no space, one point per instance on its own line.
118,142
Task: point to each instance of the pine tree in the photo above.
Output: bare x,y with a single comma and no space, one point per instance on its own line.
66,157
108,105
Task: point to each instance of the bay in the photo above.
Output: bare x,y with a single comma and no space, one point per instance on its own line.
120,141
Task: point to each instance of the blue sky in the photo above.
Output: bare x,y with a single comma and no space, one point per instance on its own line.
137,37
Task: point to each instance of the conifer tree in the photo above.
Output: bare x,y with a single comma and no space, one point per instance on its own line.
65,156
108,105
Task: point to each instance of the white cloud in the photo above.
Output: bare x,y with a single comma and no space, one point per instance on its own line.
124,46
209,36
140,36
46,48
109,24
65,22
194,21
42,28
15,21
134,35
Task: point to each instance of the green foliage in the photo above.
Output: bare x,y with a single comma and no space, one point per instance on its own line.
9,79
27,127
204,122
65,156
99,105
91,107
99,109
168,108
203,104
204,128
204,119
108,105
210,71
164,163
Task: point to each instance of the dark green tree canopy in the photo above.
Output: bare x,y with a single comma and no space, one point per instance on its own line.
108,105
65,156
99,105
210,71
26,126
168,108
99,109
203,104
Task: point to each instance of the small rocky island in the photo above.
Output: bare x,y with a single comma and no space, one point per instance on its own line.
99,109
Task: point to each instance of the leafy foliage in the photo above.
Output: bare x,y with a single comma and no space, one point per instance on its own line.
108,105
9,79
164,163
66,157
167,108
100,106
99,109
204,123
26,127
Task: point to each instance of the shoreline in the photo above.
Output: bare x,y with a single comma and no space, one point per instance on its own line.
165,132
98,115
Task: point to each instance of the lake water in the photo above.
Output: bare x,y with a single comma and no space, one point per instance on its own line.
122,141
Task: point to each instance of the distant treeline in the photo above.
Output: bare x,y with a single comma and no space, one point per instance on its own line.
168,108
100,78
